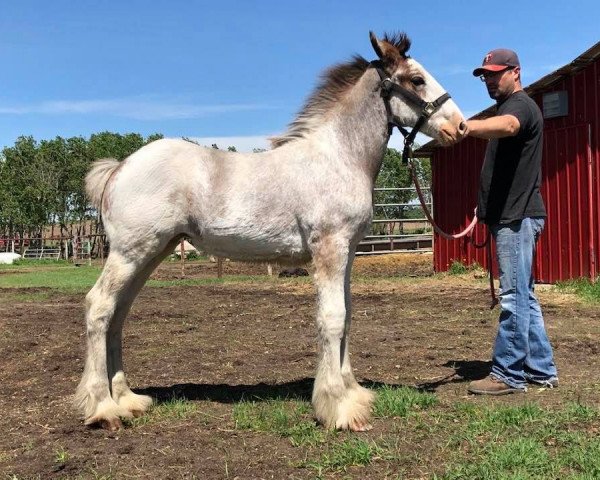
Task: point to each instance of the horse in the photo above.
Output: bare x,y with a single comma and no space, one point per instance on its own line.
325,166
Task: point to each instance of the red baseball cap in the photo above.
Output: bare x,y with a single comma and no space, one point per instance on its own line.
498,60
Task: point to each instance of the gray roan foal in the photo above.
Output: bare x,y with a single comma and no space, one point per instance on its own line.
310,197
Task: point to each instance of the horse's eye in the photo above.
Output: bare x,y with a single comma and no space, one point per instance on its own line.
417,81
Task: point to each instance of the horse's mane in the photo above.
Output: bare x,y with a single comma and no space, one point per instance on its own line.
335,82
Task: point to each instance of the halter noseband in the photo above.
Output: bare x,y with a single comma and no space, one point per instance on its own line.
427,109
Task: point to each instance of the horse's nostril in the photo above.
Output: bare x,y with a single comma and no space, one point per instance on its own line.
462,126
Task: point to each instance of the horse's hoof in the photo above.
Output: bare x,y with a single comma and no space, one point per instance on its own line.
360,426
112,424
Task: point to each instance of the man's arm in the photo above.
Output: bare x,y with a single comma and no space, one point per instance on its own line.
494,127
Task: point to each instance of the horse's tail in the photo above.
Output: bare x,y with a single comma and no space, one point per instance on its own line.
97,178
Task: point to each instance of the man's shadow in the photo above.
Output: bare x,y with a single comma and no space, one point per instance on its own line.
464,371
469,370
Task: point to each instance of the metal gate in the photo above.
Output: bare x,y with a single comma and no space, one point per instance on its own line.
397,226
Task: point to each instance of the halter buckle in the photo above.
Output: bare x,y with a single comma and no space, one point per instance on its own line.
386,85
428,109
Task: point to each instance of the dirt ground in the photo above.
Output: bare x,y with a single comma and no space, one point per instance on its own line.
216,344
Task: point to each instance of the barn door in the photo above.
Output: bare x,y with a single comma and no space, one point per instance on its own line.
566,249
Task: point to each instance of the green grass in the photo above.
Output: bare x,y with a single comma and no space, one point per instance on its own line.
60,278
582,287
523,442
528,458
346,453
25,262
209,280
9,297
475,441
457,268
398,402
286,418
73,279
176,408
61,455
514,458
329,450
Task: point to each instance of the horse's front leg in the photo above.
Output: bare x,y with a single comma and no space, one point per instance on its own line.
338,400
361,395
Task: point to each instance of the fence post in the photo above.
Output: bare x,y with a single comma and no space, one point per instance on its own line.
101,242
89,250
182,248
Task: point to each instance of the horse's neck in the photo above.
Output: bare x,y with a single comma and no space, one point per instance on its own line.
361,126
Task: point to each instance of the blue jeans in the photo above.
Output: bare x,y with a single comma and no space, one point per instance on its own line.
522,350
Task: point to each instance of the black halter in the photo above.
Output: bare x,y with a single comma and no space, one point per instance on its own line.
427,109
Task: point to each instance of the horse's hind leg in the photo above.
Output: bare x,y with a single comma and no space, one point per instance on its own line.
339,402
121,393
107,304
93,394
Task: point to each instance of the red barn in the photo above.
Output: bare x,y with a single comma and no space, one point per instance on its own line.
570,102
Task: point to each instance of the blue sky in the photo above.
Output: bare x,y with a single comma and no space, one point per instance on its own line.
235,71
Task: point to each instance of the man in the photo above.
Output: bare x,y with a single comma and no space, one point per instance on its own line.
511,205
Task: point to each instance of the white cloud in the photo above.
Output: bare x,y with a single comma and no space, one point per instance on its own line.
249,143
241,144
140,108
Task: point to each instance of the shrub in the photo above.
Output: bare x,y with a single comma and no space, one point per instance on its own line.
192,255
457,268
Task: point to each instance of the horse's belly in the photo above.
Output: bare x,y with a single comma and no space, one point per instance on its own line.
281,248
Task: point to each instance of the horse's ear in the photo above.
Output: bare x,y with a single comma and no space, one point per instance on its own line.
386,52
375,43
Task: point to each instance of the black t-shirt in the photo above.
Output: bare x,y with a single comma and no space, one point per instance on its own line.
509,188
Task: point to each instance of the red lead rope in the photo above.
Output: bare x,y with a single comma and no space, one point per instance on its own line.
456,236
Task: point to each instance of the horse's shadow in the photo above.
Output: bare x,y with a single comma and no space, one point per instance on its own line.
224,393
464,370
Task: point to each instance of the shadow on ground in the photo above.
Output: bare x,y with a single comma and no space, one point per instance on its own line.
464,370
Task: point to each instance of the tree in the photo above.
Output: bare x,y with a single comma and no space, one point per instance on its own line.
115,145
26,179
42,183
81,157
394,174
